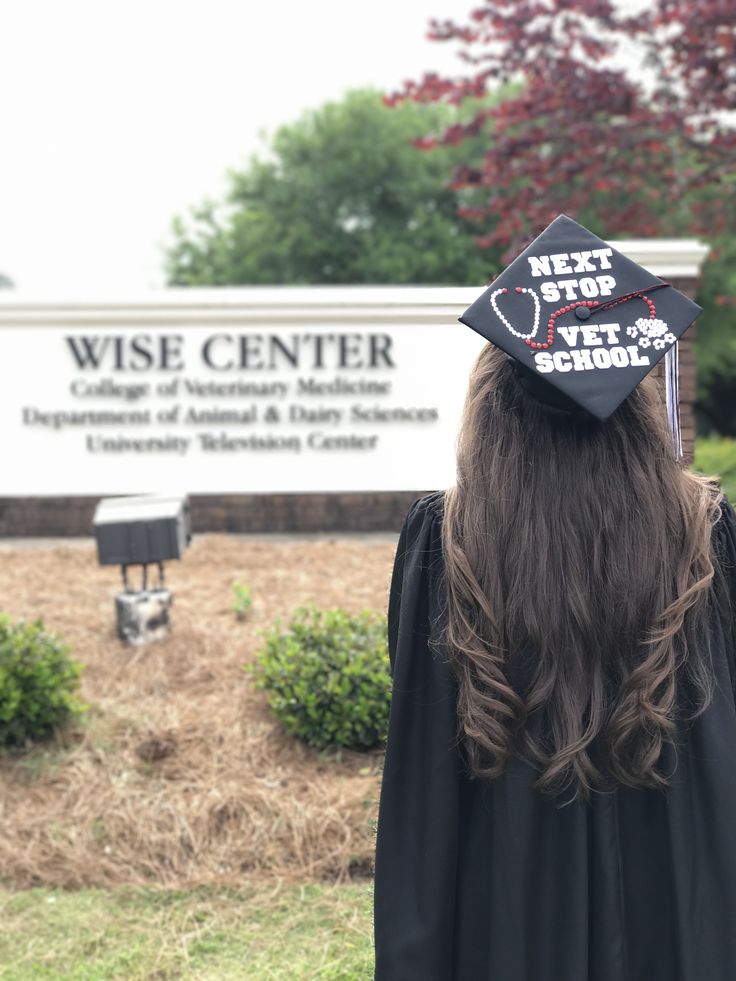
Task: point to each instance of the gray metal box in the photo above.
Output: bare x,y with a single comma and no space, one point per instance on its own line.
137,530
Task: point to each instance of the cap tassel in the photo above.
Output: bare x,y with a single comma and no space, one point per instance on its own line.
672,386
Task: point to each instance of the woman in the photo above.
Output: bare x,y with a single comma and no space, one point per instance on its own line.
559,791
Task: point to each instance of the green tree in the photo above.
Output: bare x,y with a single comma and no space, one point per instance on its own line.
716,340
345,197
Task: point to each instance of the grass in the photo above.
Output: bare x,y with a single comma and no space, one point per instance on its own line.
717,455
264,933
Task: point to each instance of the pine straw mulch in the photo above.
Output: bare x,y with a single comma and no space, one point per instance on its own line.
181,775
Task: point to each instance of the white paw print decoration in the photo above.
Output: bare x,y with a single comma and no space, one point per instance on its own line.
651,332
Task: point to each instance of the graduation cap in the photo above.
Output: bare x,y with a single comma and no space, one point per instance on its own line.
575,314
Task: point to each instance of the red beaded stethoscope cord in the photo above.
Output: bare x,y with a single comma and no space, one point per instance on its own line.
595,306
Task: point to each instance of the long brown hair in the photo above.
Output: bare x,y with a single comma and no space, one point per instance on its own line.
578,562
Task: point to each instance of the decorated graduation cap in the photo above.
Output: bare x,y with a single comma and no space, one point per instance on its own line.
575,314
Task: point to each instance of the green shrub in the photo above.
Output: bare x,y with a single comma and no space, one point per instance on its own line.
242,599
38,682
327,676
716,455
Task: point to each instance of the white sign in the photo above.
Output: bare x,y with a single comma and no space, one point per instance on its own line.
257,389
266,400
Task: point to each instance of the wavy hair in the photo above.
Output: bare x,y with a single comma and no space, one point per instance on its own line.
578,564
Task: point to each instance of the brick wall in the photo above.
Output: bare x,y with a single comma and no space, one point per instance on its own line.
257,513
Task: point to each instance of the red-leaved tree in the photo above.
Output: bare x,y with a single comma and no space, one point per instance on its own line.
625,122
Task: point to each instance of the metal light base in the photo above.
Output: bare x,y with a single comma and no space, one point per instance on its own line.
143,616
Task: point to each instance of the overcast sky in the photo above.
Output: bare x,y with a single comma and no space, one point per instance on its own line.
116,116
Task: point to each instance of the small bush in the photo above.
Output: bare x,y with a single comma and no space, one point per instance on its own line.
716,455
327,676
242,600
38,683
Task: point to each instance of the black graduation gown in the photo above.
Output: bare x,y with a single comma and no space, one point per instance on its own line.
479,881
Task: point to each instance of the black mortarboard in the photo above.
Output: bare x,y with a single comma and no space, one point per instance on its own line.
582,316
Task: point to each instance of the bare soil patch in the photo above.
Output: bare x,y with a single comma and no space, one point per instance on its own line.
181,775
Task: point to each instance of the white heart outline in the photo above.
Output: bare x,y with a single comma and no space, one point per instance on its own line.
504,321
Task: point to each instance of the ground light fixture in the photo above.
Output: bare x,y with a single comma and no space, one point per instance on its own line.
147,529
